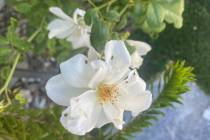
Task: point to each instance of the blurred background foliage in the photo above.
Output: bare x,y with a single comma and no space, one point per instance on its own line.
145,20
187,43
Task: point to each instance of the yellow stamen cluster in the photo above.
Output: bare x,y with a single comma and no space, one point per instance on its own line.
107,93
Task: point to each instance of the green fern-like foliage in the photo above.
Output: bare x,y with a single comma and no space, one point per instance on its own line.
174,84
17,123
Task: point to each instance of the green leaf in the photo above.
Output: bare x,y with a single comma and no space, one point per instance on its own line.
99,34
21,45
156,13
15,40
5,52
11,28
123,22
24,7
112,15
3,41
90,16
20,98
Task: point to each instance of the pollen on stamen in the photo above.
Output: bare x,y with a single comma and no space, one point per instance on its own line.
107,93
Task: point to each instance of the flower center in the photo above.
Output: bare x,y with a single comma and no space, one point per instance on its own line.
107,93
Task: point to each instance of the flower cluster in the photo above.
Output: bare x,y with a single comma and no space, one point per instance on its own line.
96,90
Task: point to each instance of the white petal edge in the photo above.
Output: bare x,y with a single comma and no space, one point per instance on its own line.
141,47
119,59
136,60
78,12
77,71
115,114
133,94
93,54
82,115
136,103
100,69
59,13
134,82
60,29
59,91
102,120
80,37
116,53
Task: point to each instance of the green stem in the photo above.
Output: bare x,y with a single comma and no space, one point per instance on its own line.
34,34
124,9
10,74
6,84
108,3
91,3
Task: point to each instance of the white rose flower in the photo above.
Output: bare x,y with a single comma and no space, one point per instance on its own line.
98,92
142,49
73,29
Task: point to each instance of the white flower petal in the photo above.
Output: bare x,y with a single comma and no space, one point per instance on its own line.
116,53
93,54
77,71
115,114
100,69
80,38
133,95
74,30
78,12
59,13
134,80
141,47
60,91
136,60
60,28
136,103
82,115
102,120
118,57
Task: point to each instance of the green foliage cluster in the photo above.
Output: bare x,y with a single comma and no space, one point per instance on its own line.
154,14
190,43
18,123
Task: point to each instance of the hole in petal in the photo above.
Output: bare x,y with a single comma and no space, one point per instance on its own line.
66,114
112,57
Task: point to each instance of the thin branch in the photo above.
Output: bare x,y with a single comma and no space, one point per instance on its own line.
10,74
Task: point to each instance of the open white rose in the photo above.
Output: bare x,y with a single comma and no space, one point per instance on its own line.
98,92
73,29
142,49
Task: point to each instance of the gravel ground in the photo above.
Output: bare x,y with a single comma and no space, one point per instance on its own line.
184,122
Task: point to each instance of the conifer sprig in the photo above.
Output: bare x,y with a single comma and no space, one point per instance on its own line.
174,84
